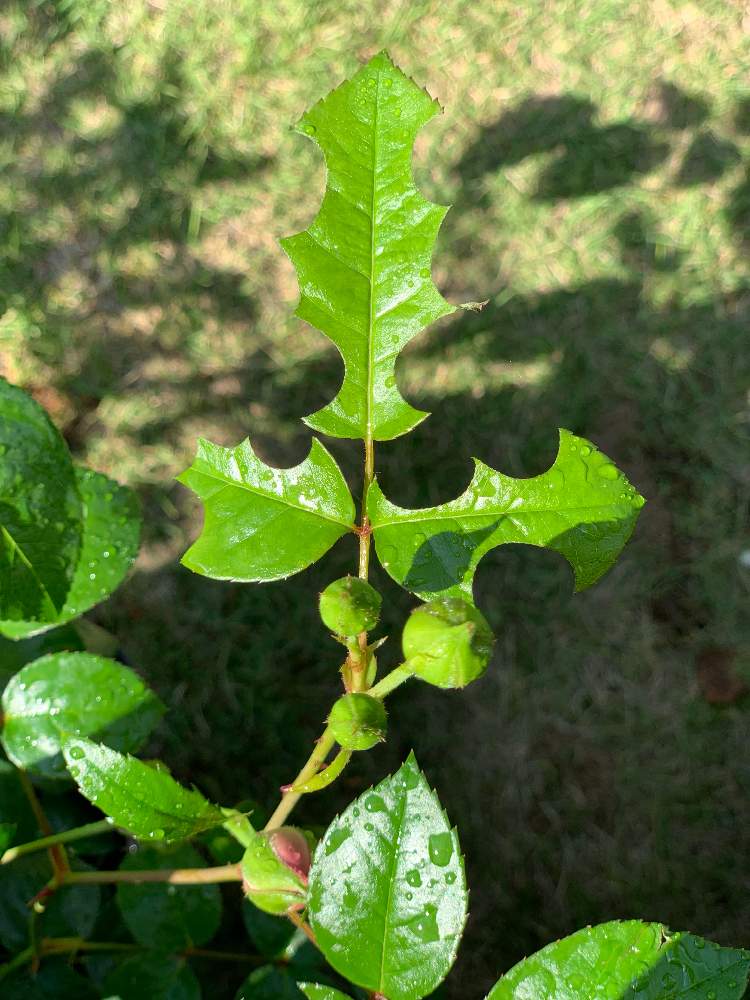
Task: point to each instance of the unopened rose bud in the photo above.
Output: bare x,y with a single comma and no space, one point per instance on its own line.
349,606
275,867
358,721
447,642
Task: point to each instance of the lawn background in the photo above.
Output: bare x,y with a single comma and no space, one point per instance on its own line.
597,155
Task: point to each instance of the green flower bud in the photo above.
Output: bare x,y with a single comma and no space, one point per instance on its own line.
349,606
358,721
275,867
447,642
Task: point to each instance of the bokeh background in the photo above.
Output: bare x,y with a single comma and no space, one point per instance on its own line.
597,155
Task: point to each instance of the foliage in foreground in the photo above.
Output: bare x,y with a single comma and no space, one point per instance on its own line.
382,895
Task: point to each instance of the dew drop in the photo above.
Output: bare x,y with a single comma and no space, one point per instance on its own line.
390,381
336,839
450,877
440,846
608,471
374,804
425,926
157,834
585,449
414,878
76,753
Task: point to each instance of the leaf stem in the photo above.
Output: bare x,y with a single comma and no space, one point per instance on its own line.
66,836
175,876
391,681
302,925
57,854
289,798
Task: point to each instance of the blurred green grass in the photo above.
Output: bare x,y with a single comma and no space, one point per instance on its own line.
598,159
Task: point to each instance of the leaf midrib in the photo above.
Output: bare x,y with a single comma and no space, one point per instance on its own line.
391,883
489,514
29,566
372,317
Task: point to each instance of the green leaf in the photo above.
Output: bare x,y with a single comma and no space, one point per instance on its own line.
263,523
364,264
582,507
15,654
163,916
152,976
314,991
54,980
7,833
71,912
111,534
74,693
140,799
111,529
628,960
40,511
269,983
14,806
387,893
269,934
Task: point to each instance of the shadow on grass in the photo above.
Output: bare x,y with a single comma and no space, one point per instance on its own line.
574,809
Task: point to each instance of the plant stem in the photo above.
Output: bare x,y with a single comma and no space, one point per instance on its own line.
391,681
302,925
364,528
57,854
289,798
70,946
89,830
175,876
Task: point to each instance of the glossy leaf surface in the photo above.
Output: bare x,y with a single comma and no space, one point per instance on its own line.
138,798
628,959
163,916
152,976
363,265
74,693
582,507
387,893
263,523
314,991
109,545
40,511
110,533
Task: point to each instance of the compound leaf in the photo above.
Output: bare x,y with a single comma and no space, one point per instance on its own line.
582,507
168,917
73,693
40,511
54,980
387,894
364,263
138,798
71,912
642,961
263,523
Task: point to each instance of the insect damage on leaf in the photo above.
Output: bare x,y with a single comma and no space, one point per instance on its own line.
583,507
